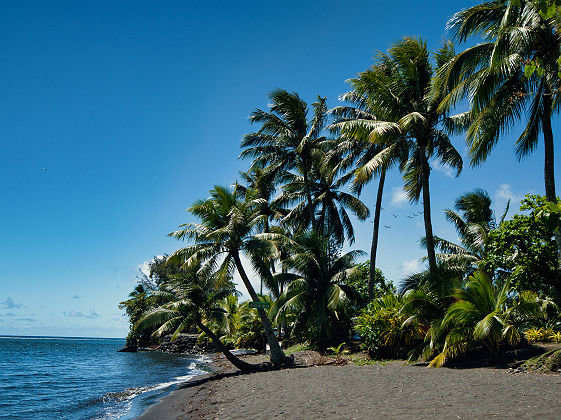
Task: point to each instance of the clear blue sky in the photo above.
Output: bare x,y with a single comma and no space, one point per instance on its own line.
136,109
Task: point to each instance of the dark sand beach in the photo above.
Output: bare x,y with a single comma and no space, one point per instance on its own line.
390,390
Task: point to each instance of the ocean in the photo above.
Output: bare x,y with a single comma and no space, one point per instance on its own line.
85,378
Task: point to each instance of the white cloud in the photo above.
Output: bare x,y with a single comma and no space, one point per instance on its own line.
501,197
504,192
145,266
410,267
399,197
445,169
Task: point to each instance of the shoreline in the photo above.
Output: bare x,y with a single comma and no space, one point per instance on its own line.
168,406
382,390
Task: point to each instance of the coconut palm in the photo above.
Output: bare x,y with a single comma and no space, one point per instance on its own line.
473,223
286,139
226,230
194,299
415,125
317,293
330,203
427,296
355,152
260,188
491,74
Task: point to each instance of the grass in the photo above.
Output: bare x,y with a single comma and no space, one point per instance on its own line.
298,347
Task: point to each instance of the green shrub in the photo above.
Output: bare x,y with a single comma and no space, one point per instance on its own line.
385,332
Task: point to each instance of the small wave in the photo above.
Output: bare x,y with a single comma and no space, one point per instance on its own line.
130,393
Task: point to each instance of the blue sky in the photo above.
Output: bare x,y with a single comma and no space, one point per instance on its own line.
136,109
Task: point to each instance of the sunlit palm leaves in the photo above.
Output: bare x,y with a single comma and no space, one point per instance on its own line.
287,140
483,314
473,223
491,76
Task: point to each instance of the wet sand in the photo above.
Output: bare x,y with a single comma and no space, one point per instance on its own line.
392,390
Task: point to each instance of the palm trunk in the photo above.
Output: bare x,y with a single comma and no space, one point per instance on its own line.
549,172
425,173
309,197
376,230
277,356
240,364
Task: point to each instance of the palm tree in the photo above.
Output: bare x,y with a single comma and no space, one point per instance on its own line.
317,292
473,226
194,298
330,203
286,139
260,186
427,296
260,189
492,75
481,313
355,152
415,125
226,229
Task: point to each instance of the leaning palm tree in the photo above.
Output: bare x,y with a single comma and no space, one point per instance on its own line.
227,229
491,75
194,298
415,126
286,139
260,188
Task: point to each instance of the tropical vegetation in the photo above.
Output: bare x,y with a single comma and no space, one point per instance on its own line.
289,222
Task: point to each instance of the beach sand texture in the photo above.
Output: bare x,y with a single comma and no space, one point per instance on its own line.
392,391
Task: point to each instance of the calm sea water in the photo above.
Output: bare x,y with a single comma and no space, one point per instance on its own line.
69,378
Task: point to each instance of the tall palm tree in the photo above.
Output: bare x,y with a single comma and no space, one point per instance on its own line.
415,125
492,75
286,139
355,152
194,299
227,228
260,186
330,203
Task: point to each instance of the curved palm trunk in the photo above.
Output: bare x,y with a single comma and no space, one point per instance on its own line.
549,172
425,173
375,232
240,364
277,355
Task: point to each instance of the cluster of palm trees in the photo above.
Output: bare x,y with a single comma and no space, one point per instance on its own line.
290,214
